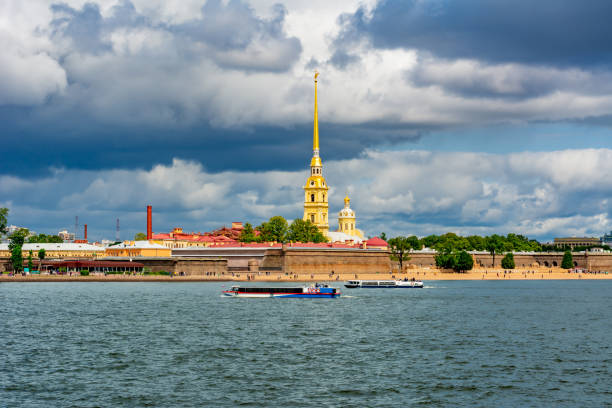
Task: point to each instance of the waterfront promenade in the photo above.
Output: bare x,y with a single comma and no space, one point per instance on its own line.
419,274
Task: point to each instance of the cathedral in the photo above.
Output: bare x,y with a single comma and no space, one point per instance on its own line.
316,197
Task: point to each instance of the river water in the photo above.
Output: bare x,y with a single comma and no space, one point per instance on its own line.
453,343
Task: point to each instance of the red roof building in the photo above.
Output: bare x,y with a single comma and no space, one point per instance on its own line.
376,243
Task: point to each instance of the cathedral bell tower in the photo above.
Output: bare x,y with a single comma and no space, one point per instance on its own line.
315,191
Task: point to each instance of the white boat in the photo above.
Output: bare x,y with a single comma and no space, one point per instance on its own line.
384,284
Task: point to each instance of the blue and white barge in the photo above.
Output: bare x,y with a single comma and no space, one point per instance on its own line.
315,291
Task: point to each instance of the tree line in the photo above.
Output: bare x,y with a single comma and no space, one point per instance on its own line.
277,229
18,238
454,242
452,249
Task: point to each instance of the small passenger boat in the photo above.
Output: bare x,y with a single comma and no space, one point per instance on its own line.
315,291
384,284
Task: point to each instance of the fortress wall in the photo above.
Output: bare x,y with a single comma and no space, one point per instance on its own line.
200,266
421,260
272,261
597,262
188,266
307,261
349,261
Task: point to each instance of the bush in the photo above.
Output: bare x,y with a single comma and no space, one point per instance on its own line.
464,262
84,272
508,261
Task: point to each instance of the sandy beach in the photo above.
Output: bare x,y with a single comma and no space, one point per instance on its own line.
419,274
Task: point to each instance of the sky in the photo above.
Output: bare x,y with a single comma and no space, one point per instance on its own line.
473,117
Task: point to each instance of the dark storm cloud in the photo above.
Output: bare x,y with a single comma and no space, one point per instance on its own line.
37,147
546,32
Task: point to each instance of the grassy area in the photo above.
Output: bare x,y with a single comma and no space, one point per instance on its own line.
163,273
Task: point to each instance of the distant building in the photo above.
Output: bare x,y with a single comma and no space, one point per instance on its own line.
607,239
57,251
376,243
14,228
66,236
179,239
573,242
134,249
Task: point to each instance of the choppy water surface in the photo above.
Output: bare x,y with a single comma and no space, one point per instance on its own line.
181,345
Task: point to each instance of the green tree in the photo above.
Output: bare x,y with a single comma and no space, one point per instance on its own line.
508,261
274,230
30,264
41,256
44,238
400,248
494,244
140,236
247,234
568,261
477,243
3,220
383,236
464,262
54,239
16,240
414,242
430,241
304,231
446,259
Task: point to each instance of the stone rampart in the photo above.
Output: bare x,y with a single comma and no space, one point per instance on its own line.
328,261
190,266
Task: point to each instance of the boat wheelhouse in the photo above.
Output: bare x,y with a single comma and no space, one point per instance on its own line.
314,291
384,284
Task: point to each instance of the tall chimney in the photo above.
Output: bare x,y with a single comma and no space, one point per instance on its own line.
85,233
149,223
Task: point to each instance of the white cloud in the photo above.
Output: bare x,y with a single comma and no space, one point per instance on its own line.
162,70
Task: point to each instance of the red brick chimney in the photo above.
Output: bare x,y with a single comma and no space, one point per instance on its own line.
149,223
85,234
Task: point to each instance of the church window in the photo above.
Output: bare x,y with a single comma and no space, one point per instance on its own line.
312,198
346,226
312,217
323,196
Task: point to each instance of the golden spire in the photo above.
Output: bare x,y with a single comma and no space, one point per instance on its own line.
315,134
347,200
316,160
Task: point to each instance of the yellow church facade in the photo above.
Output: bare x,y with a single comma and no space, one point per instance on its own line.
316,194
